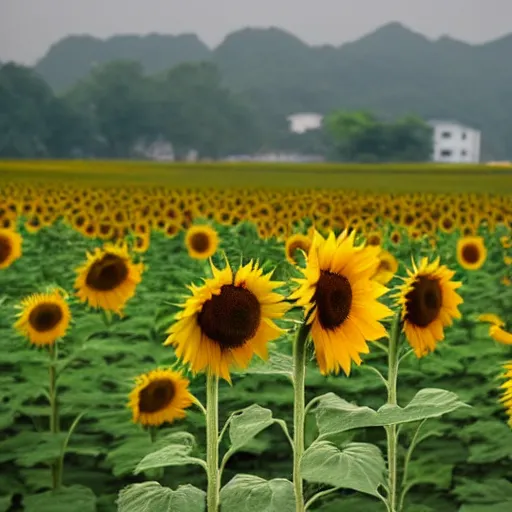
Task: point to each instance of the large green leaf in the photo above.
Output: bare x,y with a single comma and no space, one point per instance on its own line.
152,497
492,490
248,423
76,497
170,455
335,415
358,466
137,445
254,494
32,448
5,503
277,364
494,507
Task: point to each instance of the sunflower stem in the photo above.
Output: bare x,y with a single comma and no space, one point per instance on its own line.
54,413
212,436
299,376
391,430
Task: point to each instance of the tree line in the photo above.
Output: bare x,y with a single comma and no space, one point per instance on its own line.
118,111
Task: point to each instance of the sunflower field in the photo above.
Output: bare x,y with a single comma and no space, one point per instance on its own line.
182,338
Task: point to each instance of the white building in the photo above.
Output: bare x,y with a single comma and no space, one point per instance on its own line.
455,143
305,121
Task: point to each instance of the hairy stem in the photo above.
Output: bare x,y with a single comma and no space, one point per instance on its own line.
212,436
391,430
299,375
54,413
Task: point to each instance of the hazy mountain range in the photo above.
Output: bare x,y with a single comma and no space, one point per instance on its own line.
391,71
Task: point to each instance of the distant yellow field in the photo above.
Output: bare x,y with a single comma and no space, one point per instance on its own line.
385,178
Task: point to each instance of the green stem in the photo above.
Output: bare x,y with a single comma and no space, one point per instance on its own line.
299,376
408,455
391,430
212,447
54,413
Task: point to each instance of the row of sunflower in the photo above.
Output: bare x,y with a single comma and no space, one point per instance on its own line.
234,315
112,212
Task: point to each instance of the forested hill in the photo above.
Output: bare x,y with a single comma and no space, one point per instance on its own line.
391,71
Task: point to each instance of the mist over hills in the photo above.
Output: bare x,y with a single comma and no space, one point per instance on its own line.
391,71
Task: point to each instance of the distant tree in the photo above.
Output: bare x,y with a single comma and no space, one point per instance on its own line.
361,137
23,99
116,100
198,112
409,139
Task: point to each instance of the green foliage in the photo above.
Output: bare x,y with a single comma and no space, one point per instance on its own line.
361,137
103,358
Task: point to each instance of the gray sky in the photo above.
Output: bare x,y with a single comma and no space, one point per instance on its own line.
29,27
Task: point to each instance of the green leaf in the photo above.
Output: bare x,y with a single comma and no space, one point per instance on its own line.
495,507
170,455
5,503
492,490
247,424
32,448
152,497
335,415
135,447
277,364
358,466
254,494
75,497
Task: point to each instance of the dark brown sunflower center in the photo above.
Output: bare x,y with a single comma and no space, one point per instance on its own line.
107,273
333,299
230,318
45,317
424,302
156,395
200,242
5,248
470,253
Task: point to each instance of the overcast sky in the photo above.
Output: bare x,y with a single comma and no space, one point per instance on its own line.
29,27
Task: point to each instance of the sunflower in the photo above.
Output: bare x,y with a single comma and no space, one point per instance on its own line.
471,252
340,300
500,335
201,242
141,243
429,303
10,247
44,318
227,320
388,265
374,238
108,278
160,396
506,242
295,243
395,237
506,399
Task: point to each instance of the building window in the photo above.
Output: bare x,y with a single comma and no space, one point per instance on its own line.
446,135
464,136
446,152
463,152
